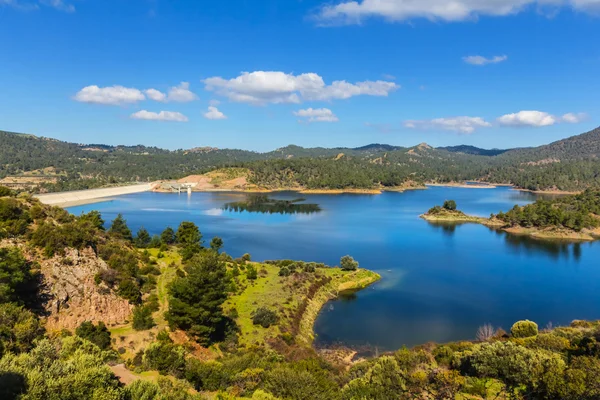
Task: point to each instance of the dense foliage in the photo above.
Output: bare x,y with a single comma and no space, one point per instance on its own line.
568,164
574,212
196,299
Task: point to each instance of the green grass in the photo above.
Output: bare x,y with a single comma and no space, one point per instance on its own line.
284,295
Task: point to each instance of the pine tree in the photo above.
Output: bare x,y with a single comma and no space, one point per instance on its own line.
196,300
120,229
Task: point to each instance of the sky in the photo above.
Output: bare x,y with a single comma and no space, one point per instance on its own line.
262,74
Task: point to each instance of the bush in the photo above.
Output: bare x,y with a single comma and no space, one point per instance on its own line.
18,328
524,329
348,263
97,334
4,192
165,357
264,317
449,205
251,273
142,318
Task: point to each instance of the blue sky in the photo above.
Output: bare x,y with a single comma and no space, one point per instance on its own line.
263,74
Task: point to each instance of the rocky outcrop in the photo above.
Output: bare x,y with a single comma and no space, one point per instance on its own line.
71,296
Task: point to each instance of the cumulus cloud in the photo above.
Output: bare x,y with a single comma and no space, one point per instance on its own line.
161,116
181,93
316,115
214,113
573,118
354,12
156,95
465,125
480,60
263,87
539,118
111,95
528,118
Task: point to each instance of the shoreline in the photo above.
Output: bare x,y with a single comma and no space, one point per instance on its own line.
330,292
90,196
556,234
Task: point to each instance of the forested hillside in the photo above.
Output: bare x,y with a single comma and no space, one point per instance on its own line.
199,324
41,164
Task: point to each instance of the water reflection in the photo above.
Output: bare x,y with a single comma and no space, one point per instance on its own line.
555,249
447,228
259,203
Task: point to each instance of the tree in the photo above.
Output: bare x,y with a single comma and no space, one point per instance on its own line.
524,329
348,263
120,229
189,239
216,243
449,205
18,328
16,278
142,239
168,236
196,299
142,318
97,334
95,218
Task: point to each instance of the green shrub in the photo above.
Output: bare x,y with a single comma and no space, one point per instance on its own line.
165,357
142,318
348,263
524,329
264,317
97,334
449,205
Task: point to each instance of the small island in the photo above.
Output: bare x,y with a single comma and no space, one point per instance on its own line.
571,218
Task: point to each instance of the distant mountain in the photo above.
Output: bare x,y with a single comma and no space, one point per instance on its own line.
567,164
581,147
377,147
465,149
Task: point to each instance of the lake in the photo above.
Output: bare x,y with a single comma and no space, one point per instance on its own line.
439,283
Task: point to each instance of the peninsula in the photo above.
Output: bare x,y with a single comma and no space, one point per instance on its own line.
570,218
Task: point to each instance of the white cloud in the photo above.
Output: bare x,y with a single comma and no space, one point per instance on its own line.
573,118
156,95
354,12
214,102
35,5
161,116
182,93
59,5
480,60
316,115
214,113
528,118
465,125
262,87
111,95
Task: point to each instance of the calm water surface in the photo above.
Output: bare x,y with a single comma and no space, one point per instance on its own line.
439,283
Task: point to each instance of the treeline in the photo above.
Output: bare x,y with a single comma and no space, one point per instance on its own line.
570,164
573,212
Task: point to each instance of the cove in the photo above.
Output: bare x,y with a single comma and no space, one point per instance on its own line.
439,282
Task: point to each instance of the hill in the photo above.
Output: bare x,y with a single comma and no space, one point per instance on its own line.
473,150
40,164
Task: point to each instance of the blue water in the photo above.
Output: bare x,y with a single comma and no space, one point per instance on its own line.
439,283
